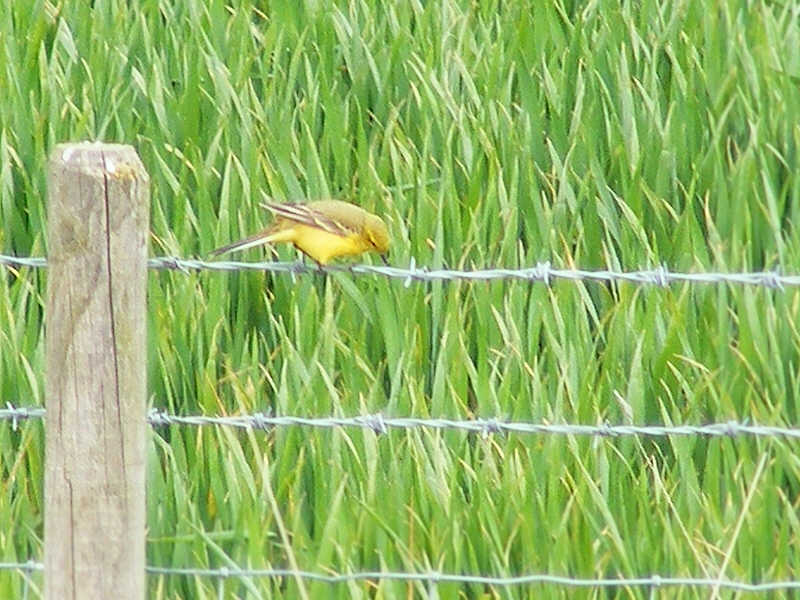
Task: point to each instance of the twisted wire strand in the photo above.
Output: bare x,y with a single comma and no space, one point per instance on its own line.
379,423
541,272
436,577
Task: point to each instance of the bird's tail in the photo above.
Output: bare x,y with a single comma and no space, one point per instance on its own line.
263,237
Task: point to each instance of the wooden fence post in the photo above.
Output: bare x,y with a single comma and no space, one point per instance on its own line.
98,226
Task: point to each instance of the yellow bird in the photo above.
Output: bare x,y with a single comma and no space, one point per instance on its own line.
323,230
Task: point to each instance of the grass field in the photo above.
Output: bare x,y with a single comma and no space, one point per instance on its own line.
601,134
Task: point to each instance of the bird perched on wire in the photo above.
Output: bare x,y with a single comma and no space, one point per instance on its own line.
323,230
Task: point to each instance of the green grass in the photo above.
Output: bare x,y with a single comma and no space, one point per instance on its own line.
607,133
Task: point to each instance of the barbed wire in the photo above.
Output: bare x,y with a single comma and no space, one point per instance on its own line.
437,577
381,424
541,272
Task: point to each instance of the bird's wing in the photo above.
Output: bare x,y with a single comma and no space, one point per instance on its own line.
303,213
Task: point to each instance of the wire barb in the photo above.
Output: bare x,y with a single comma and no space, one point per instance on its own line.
488,427
772,280
261,421
661,276
158,418
375,423
541,272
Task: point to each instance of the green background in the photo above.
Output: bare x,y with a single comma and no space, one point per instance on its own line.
604,134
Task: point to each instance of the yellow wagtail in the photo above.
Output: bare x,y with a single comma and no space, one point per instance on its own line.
323,230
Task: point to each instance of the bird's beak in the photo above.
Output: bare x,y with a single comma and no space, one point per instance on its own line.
385,259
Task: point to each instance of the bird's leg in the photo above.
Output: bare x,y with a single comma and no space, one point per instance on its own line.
320,266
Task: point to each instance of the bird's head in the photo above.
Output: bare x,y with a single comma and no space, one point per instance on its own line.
377,234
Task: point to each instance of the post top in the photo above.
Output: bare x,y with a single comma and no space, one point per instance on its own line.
114,159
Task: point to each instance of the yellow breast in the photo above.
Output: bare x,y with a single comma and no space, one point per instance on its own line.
323,246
